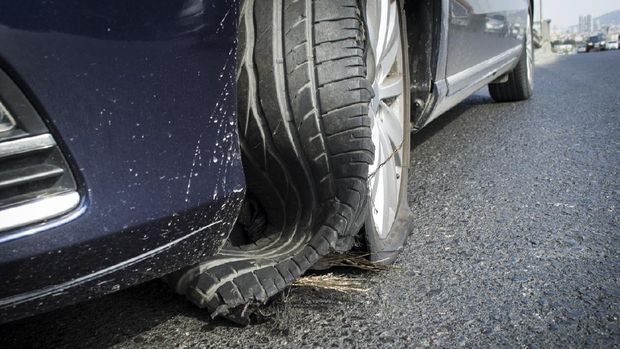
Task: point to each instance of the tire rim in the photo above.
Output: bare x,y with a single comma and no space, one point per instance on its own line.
387,110
530,53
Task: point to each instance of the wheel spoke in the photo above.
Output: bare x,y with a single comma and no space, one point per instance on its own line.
392,126
377,184
389,22
382,17
389,170
388,182
388,60
373,23
393,27
391,87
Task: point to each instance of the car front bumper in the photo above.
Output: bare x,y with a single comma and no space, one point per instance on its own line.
140,98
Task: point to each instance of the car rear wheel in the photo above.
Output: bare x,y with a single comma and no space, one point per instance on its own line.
308,135
520,82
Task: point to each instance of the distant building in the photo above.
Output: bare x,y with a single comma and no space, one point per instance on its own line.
585,24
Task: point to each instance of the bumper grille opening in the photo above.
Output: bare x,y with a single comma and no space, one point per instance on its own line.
36,183
32,176
6,120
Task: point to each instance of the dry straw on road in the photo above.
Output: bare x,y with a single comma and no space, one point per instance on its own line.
342,283
333,282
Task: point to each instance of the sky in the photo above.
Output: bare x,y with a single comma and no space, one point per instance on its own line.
564,13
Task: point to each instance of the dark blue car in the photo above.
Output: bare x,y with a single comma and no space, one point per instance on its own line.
224,146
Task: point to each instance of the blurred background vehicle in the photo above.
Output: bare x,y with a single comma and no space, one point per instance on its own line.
612,41
564,49
596,42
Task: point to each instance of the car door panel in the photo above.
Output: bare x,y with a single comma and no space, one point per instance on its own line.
482,34
479,40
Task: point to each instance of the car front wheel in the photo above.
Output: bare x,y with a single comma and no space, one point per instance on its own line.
324,131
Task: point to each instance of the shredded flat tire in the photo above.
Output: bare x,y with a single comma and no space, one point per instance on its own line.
306,142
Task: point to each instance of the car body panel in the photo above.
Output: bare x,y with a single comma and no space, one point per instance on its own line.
479,41
483,29
141,97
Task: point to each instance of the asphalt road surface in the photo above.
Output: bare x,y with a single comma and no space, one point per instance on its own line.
516,243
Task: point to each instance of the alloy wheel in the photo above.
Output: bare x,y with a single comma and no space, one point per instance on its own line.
387,110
